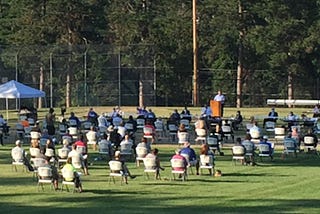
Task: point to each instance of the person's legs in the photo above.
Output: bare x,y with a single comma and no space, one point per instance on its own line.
1,139
197,167
27,164
127,172
78,182
85,166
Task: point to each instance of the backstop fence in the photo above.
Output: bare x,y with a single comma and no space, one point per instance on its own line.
107,75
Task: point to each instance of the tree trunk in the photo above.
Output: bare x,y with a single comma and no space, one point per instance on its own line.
41,82
68,81
68,91
290,87
141,93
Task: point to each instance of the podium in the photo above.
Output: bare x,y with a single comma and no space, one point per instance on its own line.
215,108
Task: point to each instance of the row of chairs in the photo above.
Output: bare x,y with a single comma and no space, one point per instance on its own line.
45,177
177,165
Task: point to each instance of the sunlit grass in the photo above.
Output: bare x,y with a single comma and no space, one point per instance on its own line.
282,186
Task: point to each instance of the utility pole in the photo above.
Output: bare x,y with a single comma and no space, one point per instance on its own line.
195,55
240,57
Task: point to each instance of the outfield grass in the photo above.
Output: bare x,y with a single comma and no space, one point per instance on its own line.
282,186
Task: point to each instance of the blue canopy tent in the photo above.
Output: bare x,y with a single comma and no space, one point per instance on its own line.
17,90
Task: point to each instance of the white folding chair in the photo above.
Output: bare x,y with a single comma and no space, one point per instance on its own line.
201,135
44,177
116,171
17,160
183,137
141,152
150,166
238,153
206,162
68,179
308,142
279,133
178,164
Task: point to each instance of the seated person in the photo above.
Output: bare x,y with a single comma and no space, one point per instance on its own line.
74,154
296,135
255,131
68,166
92,137
4,126
292,118
117,120
107,142
307,122
182,133
237,121
316,111
311,134
250,148
55,174
154,154
151,117
185,114
114,137
25,123
292,141
179,157
272,116
264,140
125,169
175,116
186,150
102,120
126,141
92,117
76,119
201,124
65,149
134,124
204,150
18,155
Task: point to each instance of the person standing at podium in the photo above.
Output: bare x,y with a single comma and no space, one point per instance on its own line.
221,98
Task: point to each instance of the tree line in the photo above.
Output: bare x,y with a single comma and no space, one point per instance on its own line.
251,50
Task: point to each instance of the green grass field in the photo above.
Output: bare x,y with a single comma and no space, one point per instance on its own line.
281,186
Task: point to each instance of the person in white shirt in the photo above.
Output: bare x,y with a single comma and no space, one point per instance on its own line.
221,98
102,121
92,137
18,155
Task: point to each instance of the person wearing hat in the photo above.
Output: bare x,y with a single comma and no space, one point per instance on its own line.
124,170
18,155
65,149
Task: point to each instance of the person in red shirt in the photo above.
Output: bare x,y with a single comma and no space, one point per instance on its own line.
80,143
180,157
149,130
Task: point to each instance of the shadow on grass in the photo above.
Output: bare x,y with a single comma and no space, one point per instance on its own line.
115,203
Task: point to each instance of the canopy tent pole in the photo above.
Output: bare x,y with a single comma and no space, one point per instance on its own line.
7,107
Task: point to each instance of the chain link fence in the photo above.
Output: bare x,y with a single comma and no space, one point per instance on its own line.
106,75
